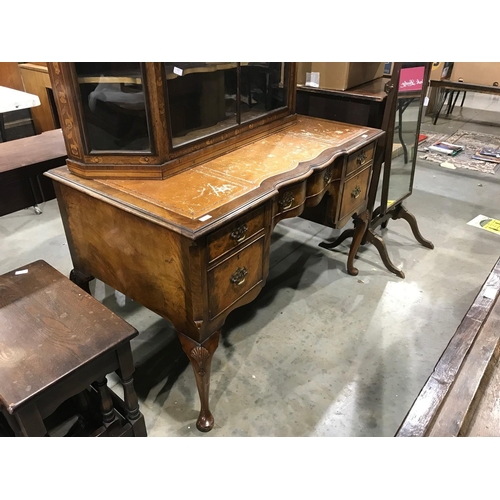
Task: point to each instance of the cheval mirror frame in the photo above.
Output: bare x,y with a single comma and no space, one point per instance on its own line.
138,93
390,209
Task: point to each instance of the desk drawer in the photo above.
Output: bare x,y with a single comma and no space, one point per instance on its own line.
290,197
360,158
232,278
235,233
355,192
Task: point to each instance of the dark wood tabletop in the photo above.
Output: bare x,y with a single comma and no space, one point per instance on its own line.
48,329
34,149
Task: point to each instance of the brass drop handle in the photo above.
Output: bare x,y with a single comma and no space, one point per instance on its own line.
361,158
238,234
286,201
356,192
239,276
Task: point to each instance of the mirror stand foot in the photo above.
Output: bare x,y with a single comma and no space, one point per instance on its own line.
379,244
402,213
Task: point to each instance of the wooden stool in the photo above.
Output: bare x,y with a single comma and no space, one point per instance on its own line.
56,343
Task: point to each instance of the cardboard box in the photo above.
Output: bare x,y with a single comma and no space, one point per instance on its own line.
485,73
341,75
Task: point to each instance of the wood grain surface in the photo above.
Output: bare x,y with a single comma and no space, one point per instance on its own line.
444,403
49,328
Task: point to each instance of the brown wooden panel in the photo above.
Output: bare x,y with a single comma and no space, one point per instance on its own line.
235,276
425,410
458,403
36,81
355,192
485,421
10,76
133,255
235,233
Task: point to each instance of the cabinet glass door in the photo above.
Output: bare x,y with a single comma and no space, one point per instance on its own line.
114,107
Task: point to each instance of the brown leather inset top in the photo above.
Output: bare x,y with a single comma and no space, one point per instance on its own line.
211,190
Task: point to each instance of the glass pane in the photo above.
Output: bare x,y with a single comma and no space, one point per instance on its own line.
406,128
201,98
114,106
263,89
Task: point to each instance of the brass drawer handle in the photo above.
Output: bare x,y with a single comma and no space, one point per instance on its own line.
356,192
239,232
286,201
239,276
328,175
361,158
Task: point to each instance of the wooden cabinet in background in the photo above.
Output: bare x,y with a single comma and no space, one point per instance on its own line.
10,76
36,81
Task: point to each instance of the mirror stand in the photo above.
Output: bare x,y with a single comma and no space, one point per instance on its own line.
398,100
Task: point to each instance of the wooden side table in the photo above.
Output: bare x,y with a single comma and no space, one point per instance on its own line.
56,342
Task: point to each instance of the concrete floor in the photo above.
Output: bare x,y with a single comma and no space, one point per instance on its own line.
319,352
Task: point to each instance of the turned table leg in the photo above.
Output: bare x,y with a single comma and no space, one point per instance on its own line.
200,356
125,373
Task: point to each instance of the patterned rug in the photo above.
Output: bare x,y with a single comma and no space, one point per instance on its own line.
472,141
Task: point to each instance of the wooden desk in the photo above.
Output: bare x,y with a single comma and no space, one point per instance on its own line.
195,246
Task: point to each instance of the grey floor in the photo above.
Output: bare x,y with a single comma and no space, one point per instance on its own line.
319,353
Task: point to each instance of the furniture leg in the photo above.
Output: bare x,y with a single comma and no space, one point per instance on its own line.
200,356
360,225
125,373
36,208
450,101
463,99
30,421
80,279
86,416
379,244
330,244
440,107
402,213
455,101
106,402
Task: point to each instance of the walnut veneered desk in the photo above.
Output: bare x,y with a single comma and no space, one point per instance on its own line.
196,245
